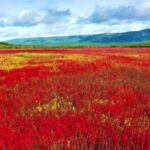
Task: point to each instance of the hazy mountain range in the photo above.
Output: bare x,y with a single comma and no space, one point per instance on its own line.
95,39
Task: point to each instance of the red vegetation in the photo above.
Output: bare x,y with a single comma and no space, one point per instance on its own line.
84,99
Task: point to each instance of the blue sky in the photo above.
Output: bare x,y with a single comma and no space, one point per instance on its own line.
44,18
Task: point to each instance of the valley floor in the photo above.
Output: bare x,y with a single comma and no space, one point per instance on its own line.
75,99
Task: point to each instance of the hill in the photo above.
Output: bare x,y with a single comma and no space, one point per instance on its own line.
90,40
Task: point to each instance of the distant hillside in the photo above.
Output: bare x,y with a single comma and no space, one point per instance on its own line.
6,45
117,38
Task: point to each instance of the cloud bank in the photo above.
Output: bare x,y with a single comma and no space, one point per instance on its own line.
53,21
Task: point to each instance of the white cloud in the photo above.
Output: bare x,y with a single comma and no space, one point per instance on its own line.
138,12
143,9
27,17
46,30
73,17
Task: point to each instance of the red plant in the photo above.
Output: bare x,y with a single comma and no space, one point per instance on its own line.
91,98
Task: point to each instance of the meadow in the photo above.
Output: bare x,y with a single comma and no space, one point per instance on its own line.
75,99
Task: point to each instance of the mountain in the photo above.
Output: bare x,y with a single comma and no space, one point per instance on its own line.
116,38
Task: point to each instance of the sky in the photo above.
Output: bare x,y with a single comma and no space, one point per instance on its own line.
45,18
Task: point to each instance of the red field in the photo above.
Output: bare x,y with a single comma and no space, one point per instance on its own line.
75,99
